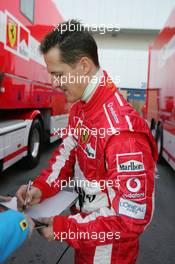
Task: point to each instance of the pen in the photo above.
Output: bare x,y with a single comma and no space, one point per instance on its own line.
28,189
38,224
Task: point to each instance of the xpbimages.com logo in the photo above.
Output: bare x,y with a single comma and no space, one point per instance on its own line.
100,185
81,79
100,236
101,132
100,28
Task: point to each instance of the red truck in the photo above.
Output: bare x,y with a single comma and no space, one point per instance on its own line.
160,103
31,111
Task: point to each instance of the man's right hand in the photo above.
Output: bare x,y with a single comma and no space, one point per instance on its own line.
33,196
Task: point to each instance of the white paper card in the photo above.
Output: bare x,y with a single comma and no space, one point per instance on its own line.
50,207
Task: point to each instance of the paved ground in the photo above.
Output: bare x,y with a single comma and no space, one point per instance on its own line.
157,243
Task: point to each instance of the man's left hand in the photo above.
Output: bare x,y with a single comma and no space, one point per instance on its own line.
47,232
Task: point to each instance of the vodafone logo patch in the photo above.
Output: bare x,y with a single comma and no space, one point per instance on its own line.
133,181
133,187
130,162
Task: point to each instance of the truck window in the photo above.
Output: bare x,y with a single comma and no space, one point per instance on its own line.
27,9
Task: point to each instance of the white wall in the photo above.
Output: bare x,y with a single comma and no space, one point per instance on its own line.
143,14
126,56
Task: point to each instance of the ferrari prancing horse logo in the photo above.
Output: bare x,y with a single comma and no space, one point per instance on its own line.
12,33
84,137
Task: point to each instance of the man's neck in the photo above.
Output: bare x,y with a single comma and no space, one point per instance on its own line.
92,85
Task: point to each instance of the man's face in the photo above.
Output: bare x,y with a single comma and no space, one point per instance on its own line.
64,76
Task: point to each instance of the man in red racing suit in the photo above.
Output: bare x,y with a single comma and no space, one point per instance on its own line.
109,152
125,160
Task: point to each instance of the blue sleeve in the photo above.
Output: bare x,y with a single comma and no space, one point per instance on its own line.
13,231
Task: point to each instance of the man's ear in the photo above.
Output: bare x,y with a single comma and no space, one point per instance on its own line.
85,65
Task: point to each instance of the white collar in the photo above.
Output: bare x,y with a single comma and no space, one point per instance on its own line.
92,85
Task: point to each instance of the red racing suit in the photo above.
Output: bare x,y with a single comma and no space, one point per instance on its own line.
111,156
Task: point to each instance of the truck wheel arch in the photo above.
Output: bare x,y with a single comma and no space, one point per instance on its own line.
159,140
34,146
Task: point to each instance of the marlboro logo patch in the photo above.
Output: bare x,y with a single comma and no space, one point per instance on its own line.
130,162
24,43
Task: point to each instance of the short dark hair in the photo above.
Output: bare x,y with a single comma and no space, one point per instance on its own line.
73,40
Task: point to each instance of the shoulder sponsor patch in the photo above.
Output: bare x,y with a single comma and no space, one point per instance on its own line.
130,162
131,209
133,187
112,113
